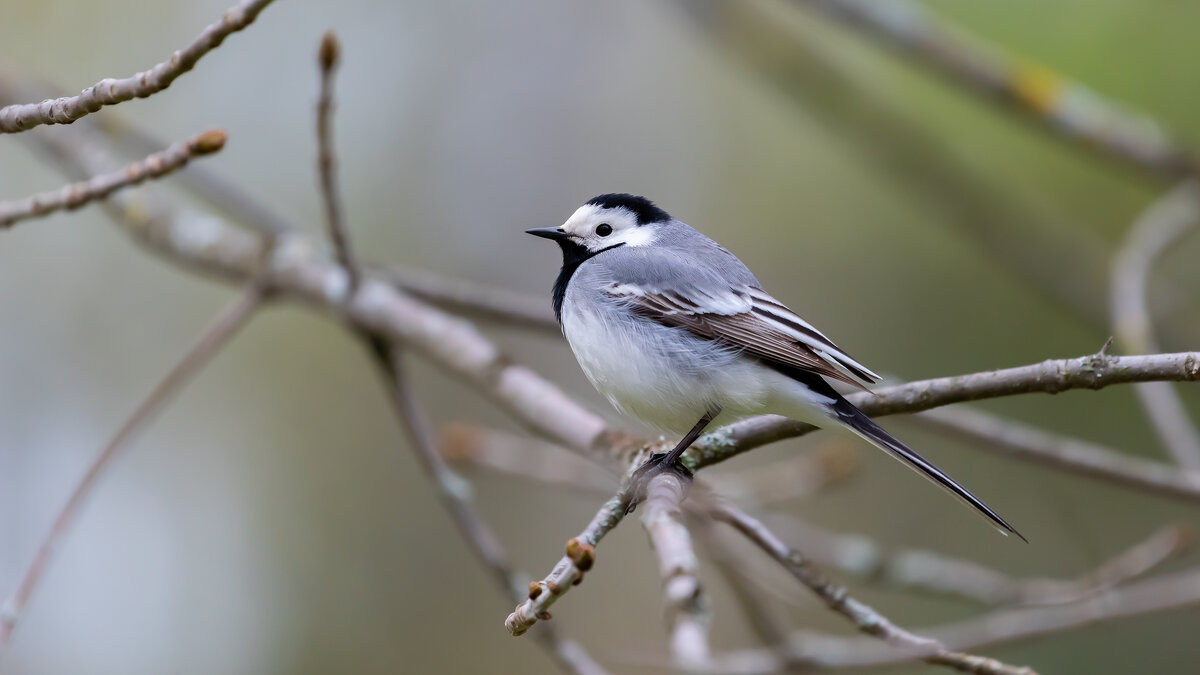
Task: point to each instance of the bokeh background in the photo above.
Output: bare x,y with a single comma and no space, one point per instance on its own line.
273,521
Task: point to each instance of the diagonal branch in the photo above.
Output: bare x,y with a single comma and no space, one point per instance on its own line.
217,335
865,618
455,494
75,195
24,116
579,558
934,572
1068,109
220,193
1173,592
1150,237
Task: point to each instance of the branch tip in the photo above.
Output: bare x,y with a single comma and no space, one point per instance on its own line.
209,142
330,51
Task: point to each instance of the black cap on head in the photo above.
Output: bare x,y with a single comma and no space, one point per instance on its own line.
643,208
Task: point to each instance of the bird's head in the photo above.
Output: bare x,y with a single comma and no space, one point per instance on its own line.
605,222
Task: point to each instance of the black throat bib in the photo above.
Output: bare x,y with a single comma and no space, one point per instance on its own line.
574,255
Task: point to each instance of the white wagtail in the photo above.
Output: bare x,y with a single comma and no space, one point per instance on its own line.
673,329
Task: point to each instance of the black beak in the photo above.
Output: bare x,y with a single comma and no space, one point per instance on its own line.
548,233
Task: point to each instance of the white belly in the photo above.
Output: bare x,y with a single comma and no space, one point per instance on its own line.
662,375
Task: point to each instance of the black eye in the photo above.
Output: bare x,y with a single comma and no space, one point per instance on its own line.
604,229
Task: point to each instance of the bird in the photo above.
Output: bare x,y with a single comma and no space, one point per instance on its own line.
675,330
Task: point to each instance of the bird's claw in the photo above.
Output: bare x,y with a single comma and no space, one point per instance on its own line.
635,490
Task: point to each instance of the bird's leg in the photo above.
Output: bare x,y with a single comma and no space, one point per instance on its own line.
659,462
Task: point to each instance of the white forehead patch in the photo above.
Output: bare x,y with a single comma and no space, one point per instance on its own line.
580,222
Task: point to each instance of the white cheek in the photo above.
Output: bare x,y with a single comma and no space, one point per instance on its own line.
637,236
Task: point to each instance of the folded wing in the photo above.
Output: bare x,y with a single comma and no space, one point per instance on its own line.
750,319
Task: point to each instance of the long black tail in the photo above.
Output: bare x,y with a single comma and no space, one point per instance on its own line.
864,426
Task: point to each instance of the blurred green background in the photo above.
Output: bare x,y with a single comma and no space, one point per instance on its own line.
272,520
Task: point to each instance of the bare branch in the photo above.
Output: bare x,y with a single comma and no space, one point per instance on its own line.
20,117
327,56
1070,110
930,571
685,604
1172,592
457,347
1152,234
297,271
579,558
71,197
788,51
766,625
472,299
855,554
797,476
455,494
525,458
1072,455
861,615
1050,377
222,194
215,336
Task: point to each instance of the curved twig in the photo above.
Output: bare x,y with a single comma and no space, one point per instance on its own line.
1162,224
75,195
864,617
1172,592
24,116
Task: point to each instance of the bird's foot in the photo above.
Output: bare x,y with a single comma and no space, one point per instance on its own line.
635,490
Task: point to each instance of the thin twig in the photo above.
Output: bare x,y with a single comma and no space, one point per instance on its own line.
1173,592
1071,455
1153,233
1069,109
1049,377
933,572
215,336
20,117
524,458
220,193
75,195
865,618
455,345
298,271
455,495
685,604
798,475
915,569
579,558
327,57
731,566
789,52
474,299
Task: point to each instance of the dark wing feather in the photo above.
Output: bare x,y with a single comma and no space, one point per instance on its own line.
751,320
